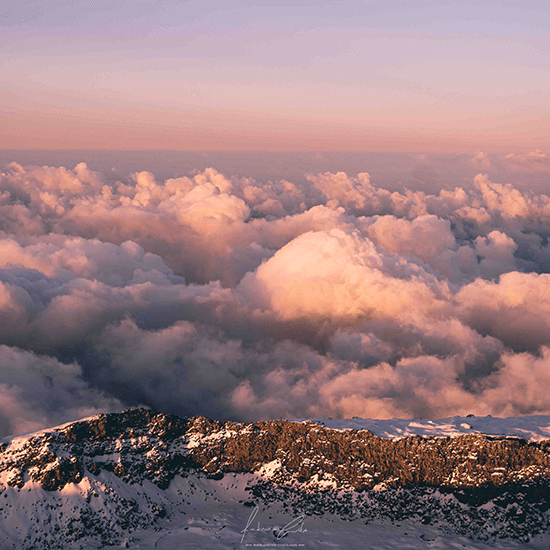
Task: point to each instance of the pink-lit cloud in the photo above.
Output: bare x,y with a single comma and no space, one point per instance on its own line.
220,295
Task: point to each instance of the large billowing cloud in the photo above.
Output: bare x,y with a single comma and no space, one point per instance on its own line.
37,391
224,296
341,276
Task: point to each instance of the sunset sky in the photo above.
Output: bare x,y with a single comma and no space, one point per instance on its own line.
391,75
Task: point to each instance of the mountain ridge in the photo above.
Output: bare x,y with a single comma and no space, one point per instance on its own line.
120,473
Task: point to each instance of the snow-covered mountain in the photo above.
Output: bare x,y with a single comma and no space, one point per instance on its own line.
144,480
531,428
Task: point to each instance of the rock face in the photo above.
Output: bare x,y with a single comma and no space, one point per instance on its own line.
478,485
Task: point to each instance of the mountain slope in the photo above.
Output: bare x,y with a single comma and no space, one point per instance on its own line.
137,478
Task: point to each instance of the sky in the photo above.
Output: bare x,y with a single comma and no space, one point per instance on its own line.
392,75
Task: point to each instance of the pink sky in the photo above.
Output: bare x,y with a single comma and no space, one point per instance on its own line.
387,76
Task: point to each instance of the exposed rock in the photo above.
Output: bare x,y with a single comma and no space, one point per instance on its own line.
482,486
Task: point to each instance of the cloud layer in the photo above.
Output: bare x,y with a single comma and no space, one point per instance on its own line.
227,297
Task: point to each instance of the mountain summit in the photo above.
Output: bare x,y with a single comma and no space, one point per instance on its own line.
147,480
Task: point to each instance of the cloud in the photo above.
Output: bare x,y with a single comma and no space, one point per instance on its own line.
496,252
39,391
340,276
481,161
502,198
534,161
521,386
221,295
354,194
516,309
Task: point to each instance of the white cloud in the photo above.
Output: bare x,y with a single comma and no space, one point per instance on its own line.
39,391
533,161
221,295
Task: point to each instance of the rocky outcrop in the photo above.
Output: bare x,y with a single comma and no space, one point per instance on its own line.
158,446
479,485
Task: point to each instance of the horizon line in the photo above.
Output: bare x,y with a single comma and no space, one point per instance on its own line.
254,151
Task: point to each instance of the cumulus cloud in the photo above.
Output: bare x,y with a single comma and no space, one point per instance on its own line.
38,391
532,161
337,275
481,161
516,309
221,295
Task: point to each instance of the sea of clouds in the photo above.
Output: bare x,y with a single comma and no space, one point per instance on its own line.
219,295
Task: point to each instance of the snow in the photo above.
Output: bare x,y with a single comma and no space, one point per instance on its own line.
214,519
531,428
19,438
323,533
206,513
